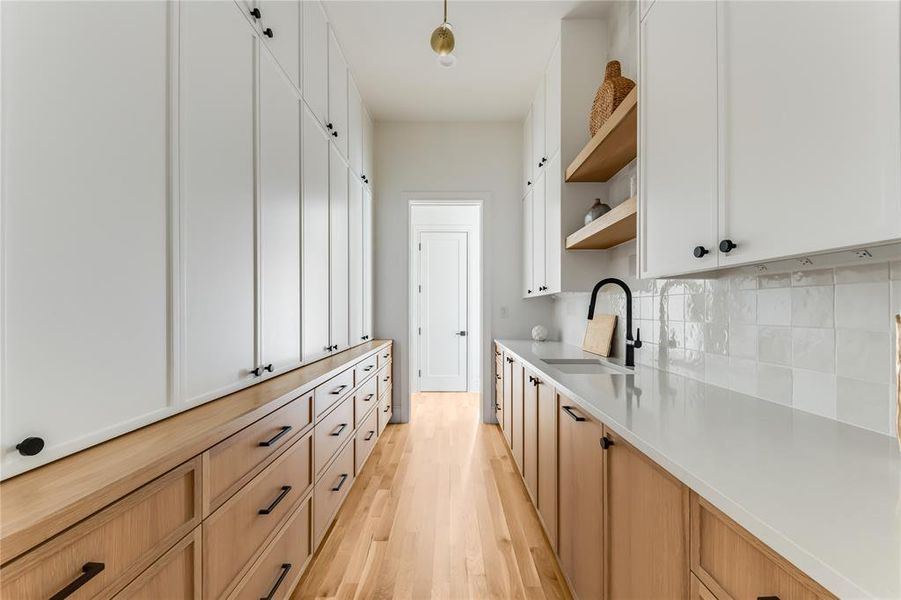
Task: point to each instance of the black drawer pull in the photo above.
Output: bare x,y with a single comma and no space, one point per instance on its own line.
369,437
338,430
569,411
368,398
341,481
89,571
279,498
767,597
276,437
498,375
509,360
387,408
369,368
285,568
386,378
339,389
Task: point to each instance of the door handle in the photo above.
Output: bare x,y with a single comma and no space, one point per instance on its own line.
569,411
88,571
461,333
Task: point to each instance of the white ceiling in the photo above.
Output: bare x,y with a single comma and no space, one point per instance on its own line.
502,49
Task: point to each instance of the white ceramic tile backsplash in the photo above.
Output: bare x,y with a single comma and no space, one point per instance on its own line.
820,340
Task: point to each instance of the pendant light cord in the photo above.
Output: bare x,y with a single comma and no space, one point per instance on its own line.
445,11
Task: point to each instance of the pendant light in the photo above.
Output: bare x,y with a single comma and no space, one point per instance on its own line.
443,42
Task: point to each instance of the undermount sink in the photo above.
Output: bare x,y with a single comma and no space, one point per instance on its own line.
586,366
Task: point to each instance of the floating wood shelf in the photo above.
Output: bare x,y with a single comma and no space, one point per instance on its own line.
611,229
613,147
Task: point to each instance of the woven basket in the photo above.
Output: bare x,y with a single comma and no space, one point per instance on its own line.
611,94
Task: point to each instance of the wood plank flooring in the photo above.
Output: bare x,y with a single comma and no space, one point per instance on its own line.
439,511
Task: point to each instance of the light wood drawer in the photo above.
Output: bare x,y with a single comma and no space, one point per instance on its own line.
125,538
332,431
331,491
364,401
175,575
233,462
384,382
236,533
278,570
365,368
734,564
385,356
333,390
367,436
385,411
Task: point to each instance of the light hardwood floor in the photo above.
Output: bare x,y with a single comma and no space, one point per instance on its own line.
439,511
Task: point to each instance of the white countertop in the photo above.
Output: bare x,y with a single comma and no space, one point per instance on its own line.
825,495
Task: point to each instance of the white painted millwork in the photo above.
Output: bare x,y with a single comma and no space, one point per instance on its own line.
367,265
443,278
355,260
527,170
354,128
538,237
368,150
528,275
216,195
282,18
553,238
337,95
538,130
553,88
84,214
315,42
338,251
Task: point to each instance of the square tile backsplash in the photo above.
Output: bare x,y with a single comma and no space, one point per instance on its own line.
820,340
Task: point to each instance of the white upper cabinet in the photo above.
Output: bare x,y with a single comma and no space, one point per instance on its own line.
315,239
539,157
355,260
354,128
279,219
528,167
368,149
553,87
678,138
85,205
216,241
538,236
279,24
338,251
528,279
315,41
367,265
337,95
809,124
553,237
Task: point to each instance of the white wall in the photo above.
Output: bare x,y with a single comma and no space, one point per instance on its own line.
435,158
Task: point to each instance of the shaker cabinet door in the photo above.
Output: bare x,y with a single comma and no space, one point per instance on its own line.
354,128
537,234
528,281
552,110
280,23
337,95
355,260
338,251
315,59
538,137
367,265
553,231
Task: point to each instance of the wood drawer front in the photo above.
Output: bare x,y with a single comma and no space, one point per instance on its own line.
734,564
385,356
365,400
367,436
385,411
287,554
126,537
331,491
365,368
175,575
237,532
332,431
233,462
333,390
384,380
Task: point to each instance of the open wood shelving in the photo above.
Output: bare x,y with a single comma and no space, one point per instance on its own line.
613,147
617,226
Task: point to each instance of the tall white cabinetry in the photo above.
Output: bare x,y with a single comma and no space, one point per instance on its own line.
759,163
338,251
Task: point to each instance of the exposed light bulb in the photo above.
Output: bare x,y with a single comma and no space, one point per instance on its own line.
447,60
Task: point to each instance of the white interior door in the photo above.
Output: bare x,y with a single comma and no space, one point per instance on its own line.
443,276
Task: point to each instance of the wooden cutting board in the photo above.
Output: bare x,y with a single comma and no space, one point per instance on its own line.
599,334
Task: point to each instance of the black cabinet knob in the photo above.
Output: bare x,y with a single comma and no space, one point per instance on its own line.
727,246
256,371
268,368
329,126
30,446
606,442
700,251
255,13
268,32
334,134
528,183
528,291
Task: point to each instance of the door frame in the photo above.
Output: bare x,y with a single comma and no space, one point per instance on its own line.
475,311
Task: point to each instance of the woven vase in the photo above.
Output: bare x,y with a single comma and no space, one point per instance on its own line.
611,94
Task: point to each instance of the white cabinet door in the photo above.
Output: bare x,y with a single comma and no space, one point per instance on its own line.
368,149
678,138
280,25
354,128
367,265
216,129
279,219
528,167
552,88
355,260
528,289
810,149
338,249
553,233
84,237
314,239
315,59
538,154
337,94
538,237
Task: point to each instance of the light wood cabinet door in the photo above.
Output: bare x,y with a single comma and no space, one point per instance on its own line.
507,424
315,238
216,238
282,20
553,86
517,376
355,261
530,433
315,59
177,574
528,281
547,459
85,223
580,536
646,523
337,94
368,332
338,252
279,219
678,138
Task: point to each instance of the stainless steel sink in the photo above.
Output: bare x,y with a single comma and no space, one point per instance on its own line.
586,366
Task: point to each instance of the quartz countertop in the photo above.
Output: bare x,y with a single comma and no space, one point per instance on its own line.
823,494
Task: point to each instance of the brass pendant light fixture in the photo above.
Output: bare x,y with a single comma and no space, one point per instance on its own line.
443,42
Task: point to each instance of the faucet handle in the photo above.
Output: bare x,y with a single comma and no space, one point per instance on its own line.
637,342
